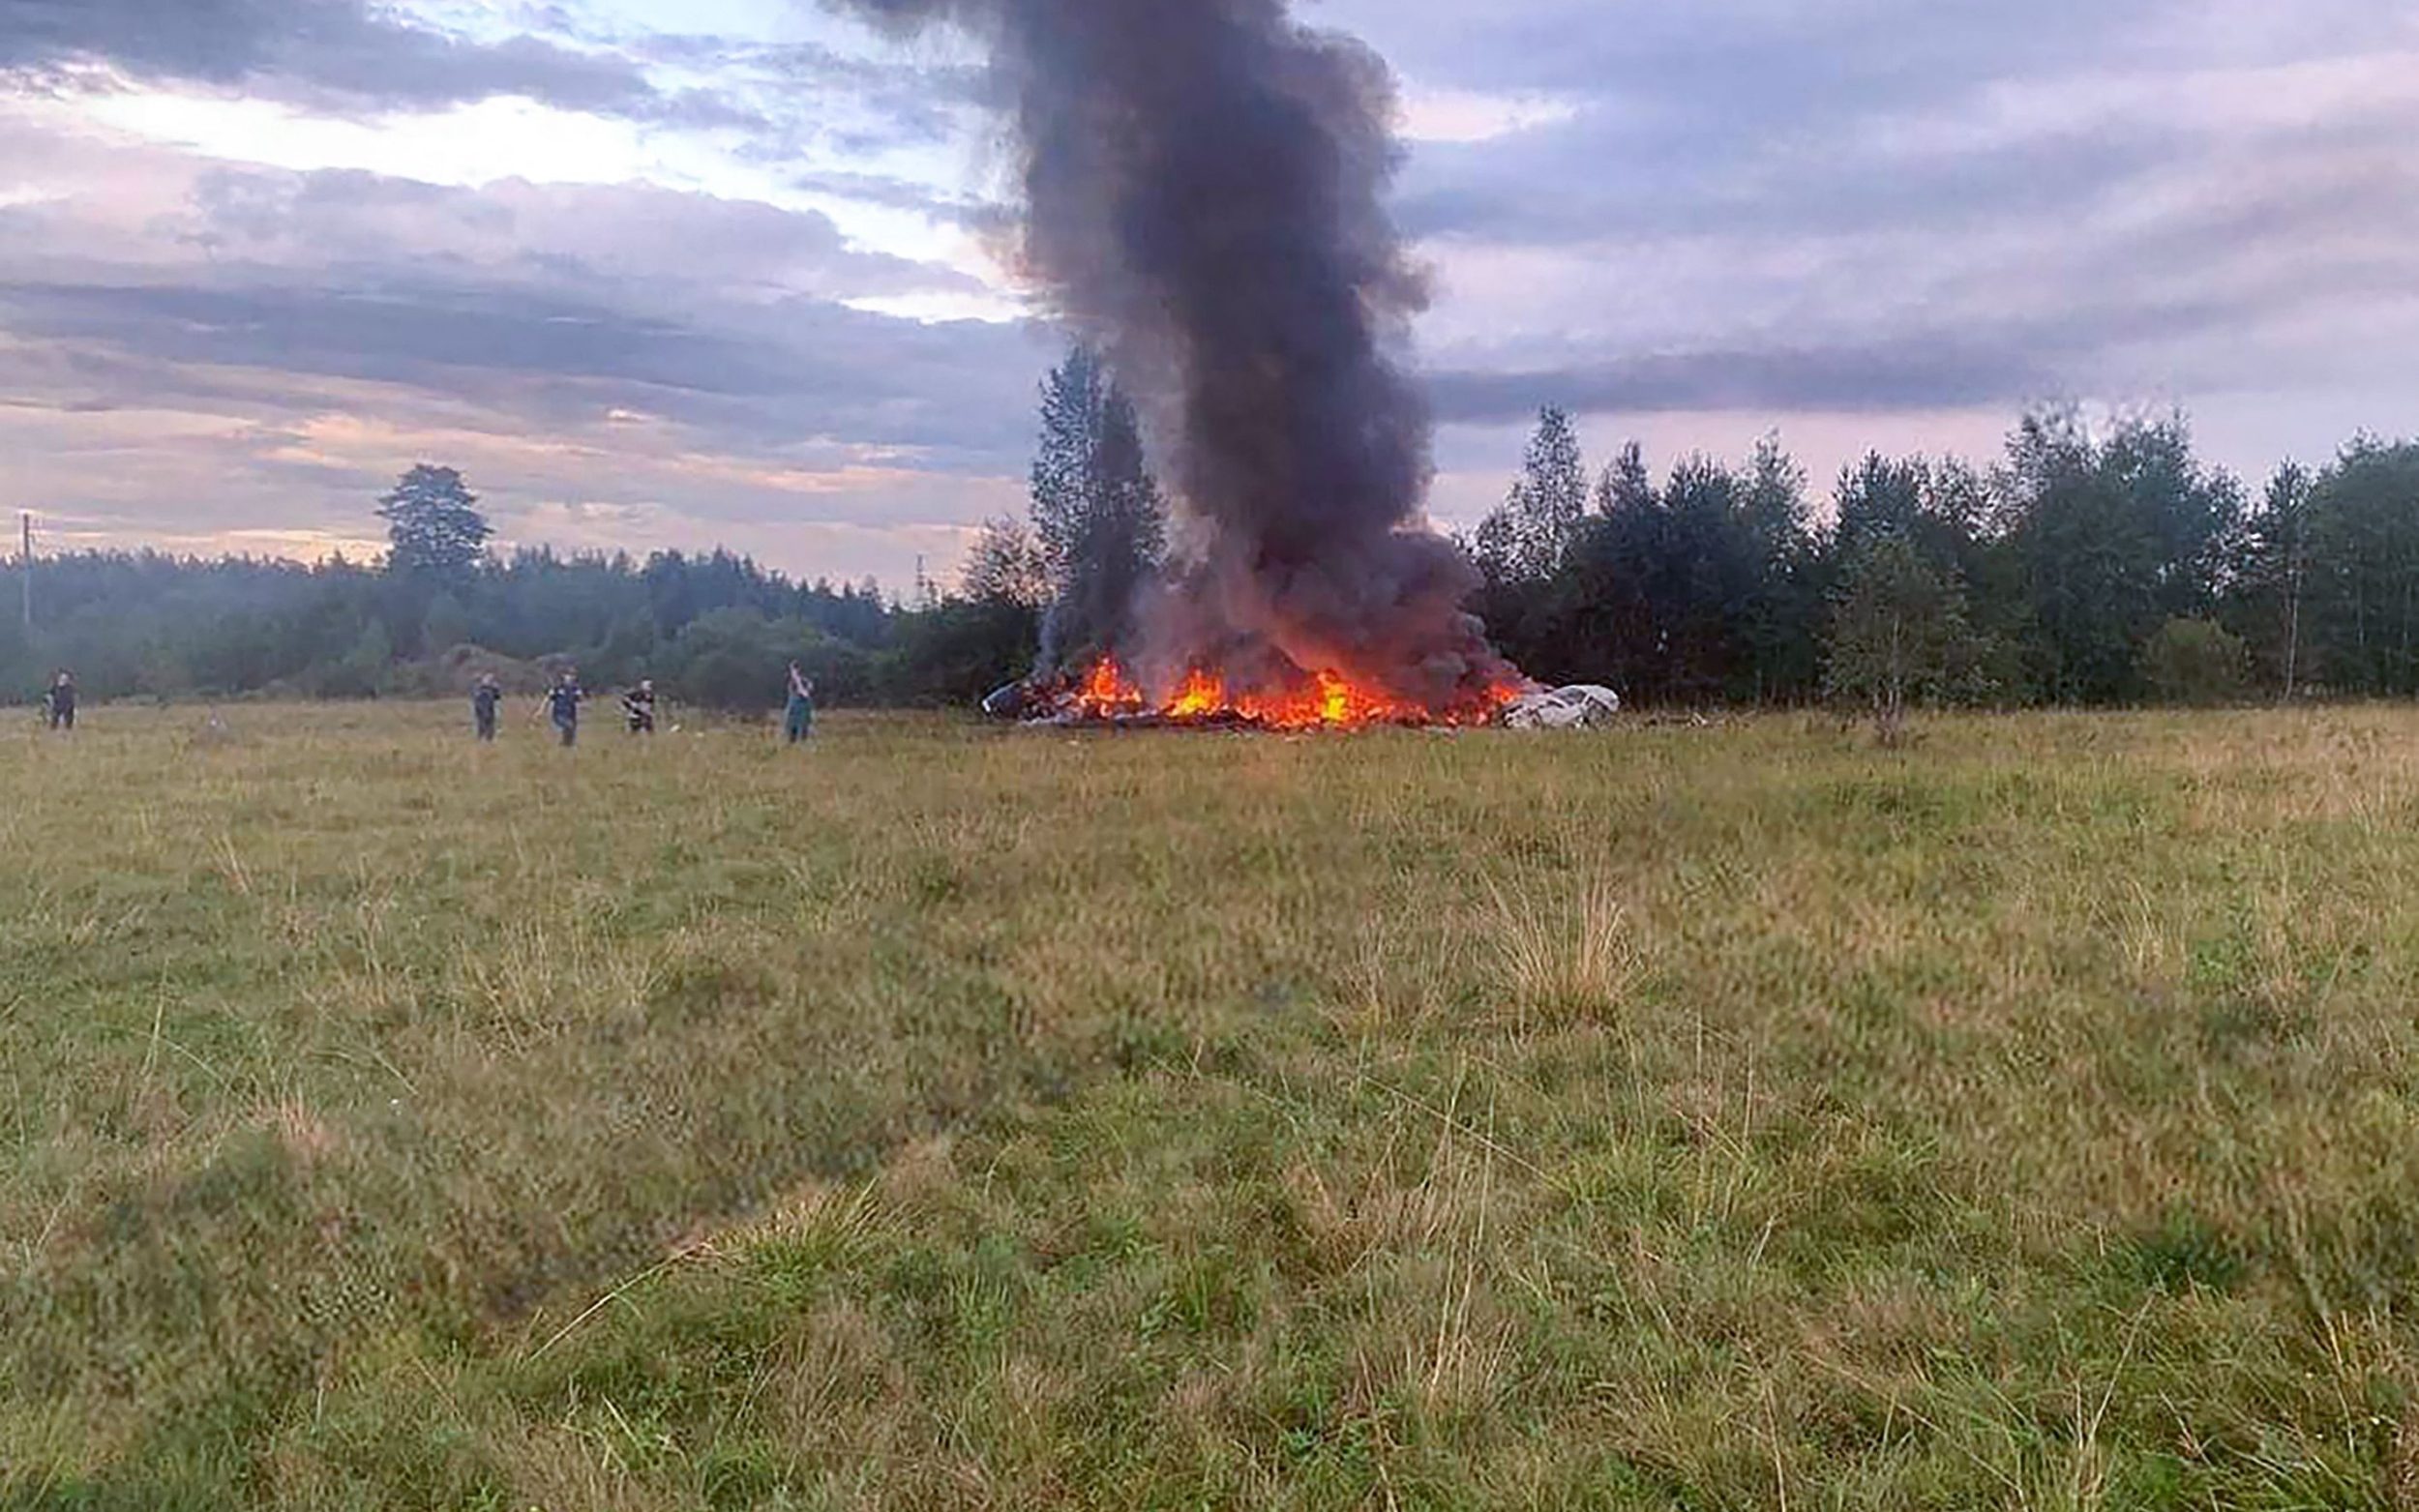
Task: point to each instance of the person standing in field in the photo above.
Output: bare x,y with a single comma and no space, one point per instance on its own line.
797,720
485,699
638,706
562,705
59,703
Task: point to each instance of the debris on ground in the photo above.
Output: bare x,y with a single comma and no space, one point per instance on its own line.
1577,706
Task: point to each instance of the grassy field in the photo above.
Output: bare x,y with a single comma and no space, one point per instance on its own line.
945,1117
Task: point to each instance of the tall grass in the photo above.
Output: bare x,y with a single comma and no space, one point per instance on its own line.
945,1116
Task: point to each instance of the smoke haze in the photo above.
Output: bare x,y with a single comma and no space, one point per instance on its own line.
1203,185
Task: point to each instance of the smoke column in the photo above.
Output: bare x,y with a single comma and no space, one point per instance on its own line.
1203,185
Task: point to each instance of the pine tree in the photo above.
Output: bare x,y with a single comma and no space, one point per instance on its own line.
434,525
1784,608
1097,510
1072,397
2271,579
1626,489
2362,619
1876,497
1527,539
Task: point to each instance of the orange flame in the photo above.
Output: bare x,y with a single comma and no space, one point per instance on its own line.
1328,700
1201,696
1106,693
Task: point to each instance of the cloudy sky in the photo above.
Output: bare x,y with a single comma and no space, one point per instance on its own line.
680,273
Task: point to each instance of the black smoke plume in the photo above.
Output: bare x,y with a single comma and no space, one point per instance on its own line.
1203,188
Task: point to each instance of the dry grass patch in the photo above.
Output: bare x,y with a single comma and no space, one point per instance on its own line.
943,1116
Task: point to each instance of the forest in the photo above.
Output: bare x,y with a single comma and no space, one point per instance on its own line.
2089,565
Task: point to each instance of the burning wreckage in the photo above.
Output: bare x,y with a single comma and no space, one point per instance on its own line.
1108,697
1202,202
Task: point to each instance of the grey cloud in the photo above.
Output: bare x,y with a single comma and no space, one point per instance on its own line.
899,193
2195,337
1743,66
543,400
687,357
815,103
403,332
2001,361
1908,205
331,52
806,64
1745,214
1917,374
1601,190
819,371
548,305
798,94
1731,116
659,243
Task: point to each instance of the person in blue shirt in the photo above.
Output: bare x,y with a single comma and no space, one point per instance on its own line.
562,705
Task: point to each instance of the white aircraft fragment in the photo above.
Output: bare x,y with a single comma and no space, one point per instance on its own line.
1579,707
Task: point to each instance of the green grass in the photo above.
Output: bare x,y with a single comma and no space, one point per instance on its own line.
949,1116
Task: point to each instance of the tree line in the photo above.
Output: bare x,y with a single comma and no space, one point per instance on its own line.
716,629
2085,566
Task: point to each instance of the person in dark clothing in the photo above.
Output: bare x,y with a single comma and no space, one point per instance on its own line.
485,699
638,706
562,705
60,700
798,716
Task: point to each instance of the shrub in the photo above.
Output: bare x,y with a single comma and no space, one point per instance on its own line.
2196,661
735,660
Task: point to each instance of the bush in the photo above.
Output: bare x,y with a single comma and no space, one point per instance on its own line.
1898,635
2197,661
956,652
736,660
363,671
454,673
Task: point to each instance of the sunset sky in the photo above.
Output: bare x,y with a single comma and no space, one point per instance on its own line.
719,272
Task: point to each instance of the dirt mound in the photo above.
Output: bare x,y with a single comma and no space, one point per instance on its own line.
457,672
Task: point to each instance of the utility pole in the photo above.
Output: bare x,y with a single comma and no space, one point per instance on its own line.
25,566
